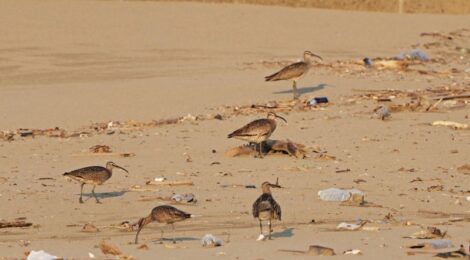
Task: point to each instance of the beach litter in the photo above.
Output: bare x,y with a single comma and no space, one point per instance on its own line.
211,241
428,233
382,112
336,194
352,252
40,255
351,226
317,100
185,197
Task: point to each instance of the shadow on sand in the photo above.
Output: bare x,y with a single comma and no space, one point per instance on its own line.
304,90
285,233
103,195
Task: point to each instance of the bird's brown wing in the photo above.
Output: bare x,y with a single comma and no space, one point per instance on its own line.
85,171
258,127
294,70
266,202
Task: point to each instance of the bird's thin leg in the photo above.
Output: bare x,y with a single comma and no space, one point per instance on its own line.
161,237
261,150
270,230
94,195
174,236
260,227
81,192
294,86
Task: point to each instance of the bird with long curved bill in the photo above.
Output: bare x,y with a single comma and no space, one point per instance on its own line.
265,208
93,175
258,130
295,71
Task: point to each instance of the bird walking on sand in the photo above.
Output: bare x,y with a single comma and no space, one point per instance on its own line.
257,131
266,208
94,175
294,71
162,214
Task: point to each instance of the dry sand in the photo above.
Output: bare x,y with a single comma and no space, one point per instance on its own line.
72,63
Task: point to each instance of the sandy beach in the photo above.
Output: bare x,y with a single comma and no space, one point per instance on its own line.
163,83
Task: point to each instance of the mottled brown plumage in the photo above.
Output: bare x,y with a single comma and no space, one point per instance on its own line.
266,208
257,131
163,214
294,71
94,175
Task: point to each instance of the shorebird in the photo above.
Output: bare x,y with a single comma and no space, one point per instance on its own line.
266,208
94,175
257,131
294,71
163,214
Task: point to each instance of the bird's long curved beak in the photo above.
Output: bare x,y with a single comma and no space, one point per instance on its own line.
313,54
281,118
275,185
117,166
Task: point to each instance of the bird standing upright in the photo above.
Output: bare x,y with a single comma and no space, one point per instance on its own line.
295,71
266,208
94,175
257,131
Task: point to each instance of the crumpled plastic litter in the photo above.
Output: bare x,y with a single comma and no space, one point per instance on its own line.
186,197
335,194
210,241
413,55
40,255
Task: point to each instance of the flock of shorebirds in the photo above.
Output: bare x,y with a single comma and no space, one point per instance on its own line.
265,208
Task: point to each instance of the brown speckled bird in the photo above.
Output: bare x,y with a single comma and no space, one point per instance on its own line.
163,214
94,175
266,208
257,131
294,71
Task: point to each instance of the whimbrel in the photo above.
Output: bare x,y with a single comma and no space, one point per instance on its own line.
257,131
266,208
163,214
294,71
94,175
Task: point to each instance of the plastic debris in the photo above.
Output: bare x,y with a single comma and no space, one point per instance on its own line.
211,241
350,226
335,194
352,252
317,100
413,55
367,62
40,255
382,112
434,244
185,197
159,179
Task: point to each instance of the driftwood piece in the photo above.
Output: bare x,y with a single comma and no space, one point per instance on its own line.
170,183
16,223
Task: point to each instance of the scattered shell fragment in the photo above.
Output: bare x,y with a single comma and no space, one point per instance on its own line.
261,237
350,226
90,228
109,249
429,233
